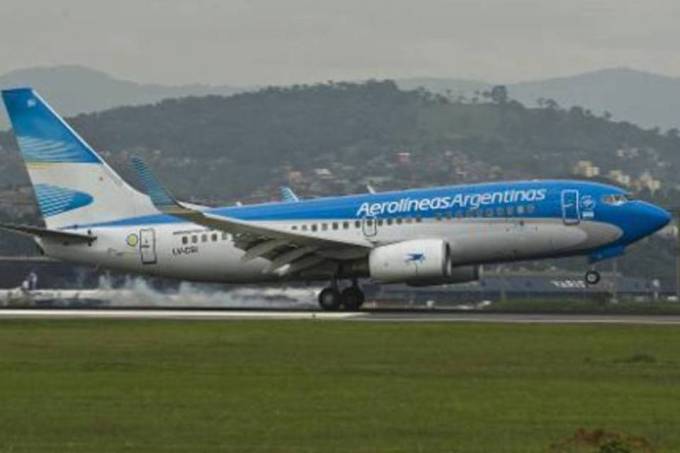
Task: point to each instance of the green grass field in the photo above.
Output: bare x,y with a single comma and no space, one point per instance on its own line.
299,386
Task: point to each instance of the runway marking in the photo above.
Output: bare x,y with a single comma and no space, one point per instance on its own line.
374,316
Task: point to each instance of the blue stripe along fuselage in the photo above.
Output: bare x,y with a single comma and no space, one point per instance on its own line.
544,197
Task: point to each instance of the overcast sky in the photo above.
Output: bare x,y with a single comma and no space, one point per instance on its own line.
245,42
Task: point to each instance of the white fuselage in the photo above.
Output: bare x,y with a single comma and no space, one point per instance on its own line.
186,251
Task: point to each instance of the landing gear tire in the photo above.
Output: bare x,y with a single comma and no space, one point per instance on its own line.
592,277
352,298
330,299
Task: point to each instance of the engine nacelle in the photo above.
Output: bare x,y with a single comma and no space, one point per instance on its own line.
458,274
414,260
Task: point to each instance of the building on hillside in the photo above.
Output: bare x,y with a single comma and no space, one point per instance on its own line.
586,169
295,177
323,173
404,158
647,182
627,153
619,177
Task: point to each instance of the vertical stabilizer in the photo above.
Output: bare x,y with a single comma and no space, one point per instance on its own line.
72,183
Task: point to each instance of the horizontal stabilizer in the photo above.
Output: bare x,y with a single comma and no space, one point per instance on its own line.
57,235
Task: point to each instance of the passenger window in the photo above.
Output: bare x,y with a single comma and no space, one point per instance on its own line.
488,212
324,226
449,215
510,210
304,227
390,221
345,225
225,236
294,228
459,214
185,240
399,220
204,237
379,222
357,224
500,212
419,219
438,217
369,222
335,225
531,208
194,239
520,210
314,227
214,237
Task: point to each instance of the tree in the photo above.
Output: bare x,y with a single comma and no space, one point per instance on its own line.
499,94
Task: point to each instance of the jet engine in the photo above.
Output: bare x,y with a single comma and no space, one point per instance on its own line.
414,260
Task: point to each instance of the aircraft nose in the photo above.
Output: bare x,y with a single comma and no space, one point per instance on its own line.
655,217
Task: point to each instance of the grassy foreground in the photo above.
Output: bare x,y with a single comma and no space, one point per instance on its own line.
85,386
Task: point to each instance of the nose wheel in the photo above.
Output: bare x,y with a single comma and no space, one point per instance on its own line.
592,277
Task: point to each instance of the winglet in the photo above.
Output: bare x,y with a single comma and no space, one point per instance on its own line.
160,196
288,195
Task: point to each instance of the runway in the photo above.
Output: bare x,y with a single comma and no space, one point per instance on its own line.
405,316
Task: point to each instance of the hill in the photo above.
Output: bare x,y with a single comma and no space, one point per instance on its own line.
643,98
356,131
77,89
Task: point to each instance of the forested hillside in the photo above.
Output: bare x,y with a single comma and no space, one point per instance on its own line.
228,147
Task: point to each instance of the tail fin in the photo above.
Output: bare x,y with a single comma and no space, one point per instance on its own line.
72,183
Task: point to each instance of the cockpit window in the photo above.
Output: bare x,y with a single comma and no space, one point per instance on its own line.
617,199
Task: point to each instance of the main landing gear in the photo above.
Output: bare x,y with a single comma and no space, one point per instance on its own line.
592,277
332,299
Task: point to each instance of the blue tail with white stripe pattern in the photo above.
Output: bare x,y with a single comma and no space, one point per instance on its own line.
72,183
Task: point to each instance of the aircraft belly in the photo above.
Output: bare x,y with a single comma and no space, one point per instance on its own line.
490,241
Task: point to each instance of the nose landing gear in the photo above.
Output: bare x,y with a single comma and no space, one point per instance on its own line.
592,277
351,298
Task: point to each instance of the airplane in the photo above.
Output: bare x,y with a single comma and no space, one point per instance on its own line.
430,236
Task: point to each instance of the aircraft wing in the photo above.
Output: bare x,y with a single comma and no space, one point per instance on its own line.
287,249
57,235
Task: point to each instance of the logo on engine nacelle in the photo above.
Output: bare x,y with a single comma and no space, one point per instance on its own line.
416,258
